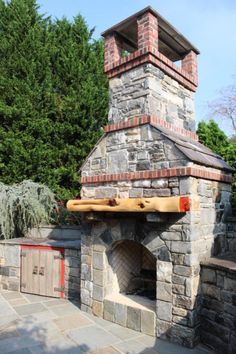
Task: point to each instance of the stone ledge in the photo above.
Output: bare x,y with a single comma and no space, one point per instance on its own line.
149,55
225,262
165,172
153,120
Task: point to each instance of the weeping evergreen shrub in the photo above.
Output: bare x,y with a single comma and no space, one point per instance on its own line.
23,206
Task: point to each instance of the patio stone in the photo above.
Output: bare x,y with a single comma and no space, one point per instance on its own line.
9,333
57,302
93,337
64,310
11,295
106,350
18,302
73,321
21,351
7,321
29,309
122,332
63,328
36,298
132,347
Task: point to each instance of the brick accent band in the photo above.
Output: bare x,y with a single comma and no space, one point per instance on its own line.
151,55
145,119
163,173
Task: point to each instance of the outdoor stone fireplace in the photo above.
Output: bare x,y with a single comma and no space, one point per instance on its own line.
142,270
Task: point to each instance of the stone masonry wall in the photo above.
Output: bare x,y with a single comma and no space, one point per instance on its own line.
148,90
10,267
218,314
72,273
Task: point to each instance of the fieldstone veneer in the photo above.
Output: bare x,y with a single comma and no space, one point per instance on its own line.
148,90
150,149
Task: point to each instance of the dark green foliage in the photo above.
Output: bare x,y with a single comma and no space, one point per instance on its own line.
53,97
213,137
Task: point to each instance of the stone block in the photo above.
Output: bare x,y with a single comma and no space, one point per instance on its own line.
178,258
230,284
97,308
184,302
142,155
183,270
98,293
164,310
136,193
105,192
11,255
184,186
180,320
149,193
178,289
215,329
183,335
109,310
160,183
178,279
211,291
163,329
120,314
180,247
143,165
192,286
146,183
164,271
85,297
98,260
134,318
177,311
98,277
164,291
148,322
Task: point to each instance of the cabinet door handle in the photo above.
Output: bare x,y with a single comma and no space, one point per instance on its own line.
35,270
41,271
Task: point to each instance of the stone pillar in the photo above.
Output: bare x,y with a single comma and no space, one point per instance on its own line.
148,32
189,64
113,50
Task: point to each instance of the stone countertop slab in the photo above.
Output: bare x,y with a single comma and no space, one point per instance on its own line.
76,244
226,262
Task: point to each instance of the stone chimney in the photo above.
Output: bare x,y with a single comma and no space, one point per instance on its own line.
150,151
152,71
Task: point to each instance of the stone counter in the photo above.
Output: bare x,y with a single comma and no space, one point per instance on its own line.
10,263
218,313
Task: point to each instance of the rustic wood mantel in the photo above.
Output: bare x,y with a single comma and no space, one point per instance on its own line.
156,204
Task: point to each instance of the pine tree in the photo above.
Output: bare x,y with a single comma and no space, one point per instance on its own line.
53,96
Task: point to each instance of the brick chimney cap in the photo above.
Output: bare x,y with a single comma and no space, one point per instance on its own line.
168,35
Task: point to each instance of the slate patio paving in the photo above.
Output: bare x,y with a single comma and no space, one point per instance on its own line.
31,324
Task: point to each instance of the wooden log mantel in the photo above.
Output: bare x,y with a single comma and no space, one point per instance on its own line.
156,204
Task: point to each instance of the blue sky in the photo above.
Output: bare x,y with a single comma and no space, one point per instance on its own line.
209,24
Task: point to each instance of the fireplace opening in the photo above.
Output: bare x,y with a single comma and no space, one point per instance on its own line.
133,270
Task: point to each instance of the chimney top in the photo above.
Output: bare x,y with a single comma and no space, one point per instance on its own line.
171,43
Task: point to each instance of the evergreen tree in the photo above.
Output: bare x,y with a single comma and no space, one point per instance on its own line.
53,96
213,137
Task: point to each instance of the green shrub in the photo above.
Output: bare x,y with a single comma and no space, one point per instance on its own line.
23,206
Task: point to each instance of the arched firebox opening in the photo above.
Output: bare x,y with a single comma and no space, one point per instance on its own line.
132,270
